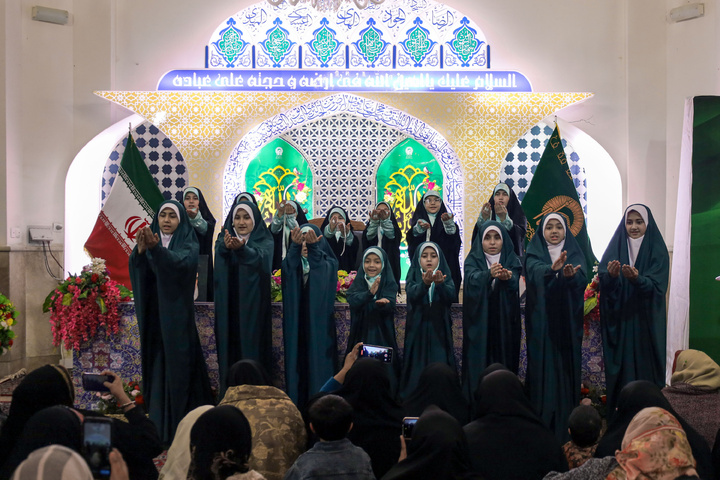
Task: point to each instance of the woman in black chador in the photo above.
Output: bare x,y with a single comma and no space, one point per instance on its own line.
203,223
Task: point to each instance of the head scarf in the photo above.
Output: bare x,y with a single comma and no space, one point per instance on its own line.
438,449
220,444
420,249
193,190
654,446
245,207
503,187
44,387
392,218
289,223
165,238
203,209
245,197
380,253
516,214
248,372
492,259
55,462
634,244
58,425
554,250
432,216
697,369
339,235
178,460
438,385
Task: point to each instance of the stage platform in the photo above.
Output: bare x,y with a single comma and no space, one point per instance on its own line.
121,352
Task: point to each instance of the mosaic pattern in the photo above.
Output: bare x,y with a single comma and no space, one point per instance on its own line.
121,353
519,165
477,129
165,162
387,36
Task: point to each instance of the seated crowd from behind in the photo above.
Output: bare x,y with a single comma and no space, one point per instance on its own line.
353,429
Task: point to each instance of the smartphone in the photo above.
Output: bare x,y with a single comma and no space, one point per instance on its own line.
97,444
384,354
407,427
93,382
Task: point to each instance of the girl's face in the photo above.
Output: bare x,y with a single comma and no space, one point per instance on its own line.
554,231
336,218
432,204
242,222
635,225
502,198
191,201
168,221
492,242
383,207
304,250
429,259
372,265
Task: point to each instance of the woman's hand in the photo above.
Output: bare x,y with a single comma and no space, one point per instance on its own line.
501,212
140,239
631,273
118,467
233,243
350,360
375,286
558,264
311,237
486,211
117,390
614,269
297,236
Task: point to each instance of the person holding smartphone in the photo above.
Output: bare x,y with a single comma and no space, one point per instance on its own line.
163,268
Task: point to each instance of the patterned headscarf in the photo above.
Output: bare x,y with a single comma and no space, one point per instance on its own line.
655,446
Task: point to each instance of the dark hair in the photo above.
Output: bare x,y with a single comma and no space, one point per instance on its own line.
585,424
248,372
331,417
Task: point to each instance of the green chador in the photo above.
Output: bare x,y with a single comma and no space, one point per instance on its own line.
243,320
372,323
175,378
308,286
491,309
554,325
428,331
632,313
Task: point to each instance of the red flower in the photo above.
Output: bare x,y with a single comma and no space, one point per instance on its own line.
103,288
78,280
94,277
10,342
584,390
139,400
603,399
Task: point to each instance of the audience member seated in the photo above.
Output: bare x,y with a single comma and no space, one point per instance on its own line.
178,458
334,456
636,396
438,450
136,438
220,446
57,462
694,392
278,430
654,447
44,387
438,385
584,426
507,439
377,416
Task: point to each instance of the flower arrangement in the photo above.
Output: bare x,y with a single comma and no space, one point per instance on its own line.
276,286
595,397
83,302
8,318
592,308
344,281
107,403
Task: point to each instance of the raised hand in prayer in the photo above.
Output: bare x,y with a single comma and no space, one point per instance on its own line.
505,274
558,264
384,214
192,212
375,215
486,211
375,286
427,277
423,224
382,301
631,273
140,240
614,269
438,277
297,236
495,270
233,243
501,212
569,271
289,209
150,239
446,216
281,209
311,237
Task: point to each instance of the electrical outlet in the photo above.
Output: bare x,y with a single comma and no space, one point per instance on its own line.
40,233
15,233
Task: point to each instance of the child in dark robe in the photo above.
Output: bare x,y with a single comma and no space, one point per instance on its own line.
504,208
431,222
203,222
338,232
288,216
382,230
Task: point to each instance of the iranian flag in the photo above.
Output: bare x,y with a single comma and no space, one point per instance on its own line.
129,207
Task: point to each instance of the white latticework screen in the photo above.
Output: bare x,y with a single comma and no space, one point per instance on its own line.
344,151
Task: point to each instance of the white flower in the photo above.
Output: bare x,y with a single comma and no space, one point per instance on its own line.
135,393
301,197
3,324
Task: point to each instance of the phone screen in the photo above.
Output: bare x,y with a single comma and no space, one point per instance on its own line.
407,426
97,443
384,354
93,382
